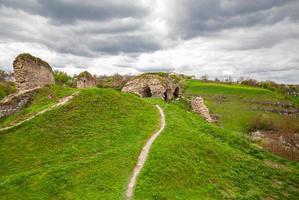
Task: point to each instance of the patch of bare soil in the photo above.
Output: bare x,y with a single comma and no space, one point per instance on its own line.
278,142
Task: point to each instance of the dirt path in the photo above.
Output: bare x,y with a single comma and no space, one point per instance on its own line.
61,102
143,155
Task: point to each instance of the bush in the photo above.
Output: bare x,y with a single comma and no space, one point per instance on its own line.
61,78
261,122
6,88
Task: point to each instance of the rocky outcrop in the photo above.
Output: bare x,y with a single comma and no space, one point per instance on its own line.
31,72
14,103
85,80
153,85
199,107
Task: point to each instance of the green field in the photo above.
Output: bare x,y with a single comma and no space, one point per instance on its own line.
195,160
88,148
83,150
235,114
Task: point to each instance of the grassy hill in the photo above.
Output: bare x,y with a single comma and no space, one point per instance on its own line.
87,148
83,150
195,160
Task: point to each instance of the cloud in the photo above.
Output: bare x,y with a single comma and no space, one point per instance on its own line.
221,38
66,11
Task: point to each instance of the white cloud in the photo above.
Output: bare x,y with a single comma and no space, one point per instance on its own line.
218,38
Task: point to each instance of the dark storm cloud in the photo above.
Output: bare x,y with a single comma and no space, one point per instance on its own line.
68,11
201,17
82,38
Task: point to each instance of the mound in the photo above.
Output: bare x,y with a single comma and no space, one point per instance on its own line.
193,159
85,149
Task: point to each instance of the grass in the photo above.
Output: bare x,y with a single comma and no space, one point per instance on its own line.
85,149
6,88
234,113
194,160
206,88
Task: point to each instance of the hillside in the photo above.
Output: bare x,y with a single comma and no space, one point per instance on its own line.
88,148
83,150
195,160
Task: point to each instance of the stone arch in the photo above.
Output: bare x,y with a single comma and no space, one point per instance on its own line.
146,92
176,93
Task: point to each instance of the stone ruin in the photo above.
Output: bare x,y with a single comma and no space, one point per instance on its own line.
153,85
14,103
199,107
31,72
85,80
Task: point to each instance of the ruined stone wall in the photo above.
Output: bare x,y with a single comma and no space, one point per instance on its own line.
85,80
151,85
31,72
14,103
199,107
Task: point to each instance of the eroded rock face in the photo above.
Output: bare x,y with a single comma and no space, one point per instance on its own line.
31,72
152,85
14,103
85,80
199,107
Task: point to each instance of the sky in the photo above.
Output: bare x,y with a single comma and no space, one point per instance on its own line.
218,38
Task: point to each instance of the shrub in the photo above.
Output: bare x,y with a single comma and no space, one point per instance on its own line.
61,78
261,122
6,88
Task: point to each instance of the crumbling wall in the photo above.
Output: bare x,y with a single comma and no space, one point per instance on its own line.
199,107
31,72
152,85
85,80
14,103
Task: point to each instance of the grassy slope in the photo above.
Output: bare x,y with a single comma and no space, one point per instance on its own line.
234,113
42,98
83,150
194,160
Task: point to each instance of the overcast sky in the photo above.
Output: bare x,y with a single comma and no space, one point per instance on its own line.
250,38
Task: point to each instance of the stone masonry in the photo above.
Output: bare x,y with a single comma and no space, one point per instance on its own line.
31,72
199,107
153,85
85,80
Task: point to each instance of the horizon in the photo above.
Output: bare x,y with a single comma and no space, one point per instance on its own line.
256,39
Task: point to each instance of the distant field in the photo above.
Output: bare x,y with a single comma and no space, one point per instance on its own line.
83,150
229,102
195,160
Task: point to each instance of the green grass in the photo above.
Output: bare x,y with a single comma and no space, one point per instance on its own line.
194,160
42,98
85,149
234,113
6,88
